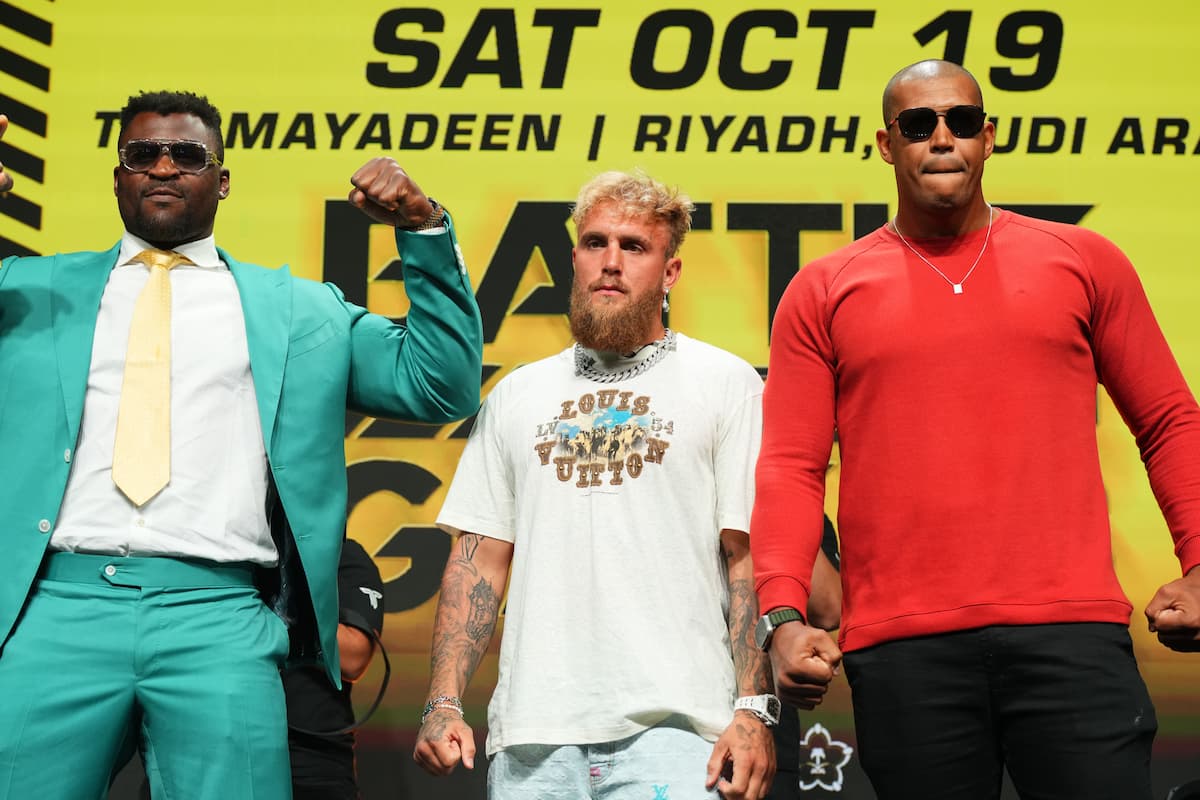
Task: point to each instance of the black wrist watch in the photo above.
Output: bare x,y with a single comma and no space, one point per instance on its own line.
764,631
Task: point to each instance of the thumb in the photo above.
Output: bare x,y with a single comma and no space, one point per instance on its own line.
716,762
1160,601
467,744
828,652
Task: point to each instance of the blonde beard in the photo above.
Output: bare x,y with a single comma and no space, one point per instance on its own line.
621,328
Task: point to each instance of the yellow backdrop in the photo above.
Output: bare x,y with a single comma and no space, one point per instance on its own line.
764,114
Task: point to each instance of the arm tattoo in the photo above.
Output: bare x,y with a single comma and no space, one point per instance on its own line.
466,619
751,667
485,605
468,543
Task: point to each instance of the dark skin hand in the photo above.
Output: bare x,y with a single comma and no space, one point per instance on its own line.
804,660
386,194
6,181
355,650
1174,613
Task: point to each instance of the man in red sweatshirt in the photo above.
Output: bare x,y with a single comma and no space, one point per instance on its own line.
956,351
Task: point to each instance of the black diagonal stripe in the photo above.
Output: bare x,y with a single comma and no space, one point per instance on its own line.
1052,212
24,22
23,69
23,115
21,210
19,161
395,429
10,248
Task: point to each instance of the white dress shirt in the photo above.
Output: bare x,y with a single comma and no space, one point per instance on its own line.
215,504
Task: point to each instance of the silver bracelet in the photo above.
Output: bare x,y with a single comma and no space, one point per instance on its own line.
444,701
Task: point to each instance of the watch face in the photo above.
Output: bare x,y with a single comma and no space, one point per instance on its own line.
762,632
767,624
764,706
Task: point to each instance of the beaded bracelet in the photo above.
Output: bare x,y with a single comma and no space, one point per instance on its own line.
444,701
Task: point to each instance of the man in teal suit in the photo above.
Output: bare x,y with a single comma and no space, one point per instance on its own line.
157,617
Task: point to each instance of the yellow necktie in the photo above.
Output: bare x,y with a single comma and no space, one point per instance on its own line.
142,451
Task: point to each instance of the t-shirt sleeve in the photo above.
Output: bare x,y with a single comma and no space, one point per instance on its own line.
481,497
360,589
740,426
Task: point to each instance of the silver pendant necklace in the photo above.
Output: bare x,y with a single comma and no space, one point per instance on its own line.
957,287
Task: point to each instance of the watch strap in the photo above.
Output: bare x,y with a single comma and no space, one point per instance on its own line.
764,706
764,630
436,218
784,614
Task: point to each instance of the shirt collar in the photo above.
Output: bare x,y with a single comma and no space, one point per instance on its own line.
202,252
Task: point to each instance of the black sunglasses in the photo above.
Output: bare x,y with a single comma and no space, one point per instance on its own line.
140,155
920,123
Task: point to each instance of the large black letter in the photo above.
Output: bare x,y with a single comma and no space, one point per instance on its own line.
641,66
783,223
563,21
506,64
424,545
425,53
839,24
733,50
532,226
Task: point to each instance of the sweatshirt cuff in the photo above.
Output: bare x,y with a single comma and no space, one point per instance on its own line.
777,591
1189,553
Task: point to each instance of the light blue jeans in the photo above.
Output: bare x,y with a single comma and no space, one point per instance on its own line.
666,762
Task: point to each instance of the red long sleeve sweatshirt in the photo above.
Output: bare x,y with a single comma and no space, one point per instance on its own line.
970,477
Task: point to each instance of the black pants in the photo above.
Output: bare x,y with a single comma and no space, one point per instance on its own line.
324,789
1062,706
787,756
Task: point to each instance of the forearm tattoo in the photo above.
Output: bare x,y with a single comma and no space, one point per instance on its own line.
751,667
466,619
481,618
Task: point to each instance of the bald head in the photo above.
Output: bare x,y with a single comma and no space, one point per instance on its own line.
923,71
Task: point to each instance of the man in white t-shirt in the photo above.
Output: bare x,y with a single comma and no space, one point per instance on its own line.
615,481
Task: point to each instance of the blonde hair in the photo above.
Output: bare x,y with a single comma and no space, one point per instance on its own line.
637,194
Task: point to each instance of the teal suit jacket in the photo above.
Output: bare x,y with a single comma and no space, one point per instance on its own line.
312,355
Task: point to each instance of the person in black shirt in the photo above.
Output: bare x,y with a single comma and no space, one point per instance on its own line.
323,766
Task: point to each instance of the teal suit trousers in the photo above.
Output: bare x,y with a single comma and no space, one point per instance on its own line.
182,659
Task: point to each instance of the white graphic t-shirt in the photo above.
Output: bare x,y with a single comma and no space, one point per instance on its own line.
613,483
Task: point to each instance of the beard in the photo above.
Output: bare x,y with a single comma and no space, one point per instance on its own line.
163,223
614,327
157,227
